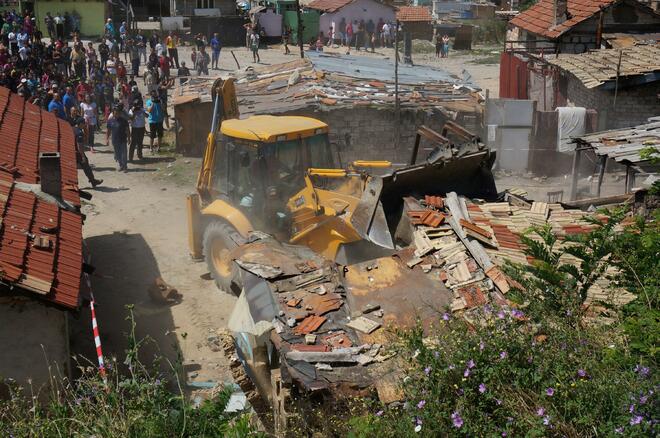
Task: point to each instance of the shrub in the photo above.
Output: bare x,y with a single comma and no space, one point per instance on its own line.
132,403
536,369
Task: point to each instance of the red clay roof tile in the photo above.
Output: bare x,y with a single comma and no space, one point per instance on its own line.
414,13
26,130
539,19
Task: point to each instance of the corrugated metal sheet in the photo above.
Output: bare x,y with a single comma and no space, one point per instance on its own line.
599,66
514,77
53,271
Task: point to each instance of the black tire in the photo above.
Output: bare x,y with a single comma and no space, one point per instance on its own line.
218,238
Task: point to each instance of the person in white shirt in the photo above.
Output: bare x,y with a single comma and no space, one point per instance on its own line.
13,45
22,39
111,67
89,111
138,116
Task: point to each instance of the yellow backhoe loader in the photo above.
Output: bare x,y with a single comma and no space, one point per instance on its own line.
279,175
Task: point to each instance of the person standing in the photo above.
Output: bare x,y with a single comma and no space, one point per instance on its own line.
134,56
202,62
437,42
286,35
81,158
172,43
370,28
69,102
215,51
118,129
254,46
155,119
445,46
138,124
183,73
141,43
91,58
56,106
50,25
349,34
89,111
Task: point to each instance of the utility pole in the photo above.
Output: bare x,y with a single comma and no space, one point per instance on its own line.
300,30
397,104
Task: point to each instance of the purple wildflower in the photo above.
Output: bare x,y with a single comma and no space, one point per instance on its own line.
451,366
546,420
582,373
643,399
482,388
503,354
436,354
482,346
421,404
517,313
466,373
503,433
644,371
501,314
636,419
471,364
460,391
498,401
418,421
569,313
530,359
550,392
456,420
631,408
379,413
427,370
445,316
540,412
619,430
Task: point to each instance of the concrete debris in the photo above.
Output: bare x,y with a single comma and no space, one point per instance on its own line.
365,325
310,339
323,366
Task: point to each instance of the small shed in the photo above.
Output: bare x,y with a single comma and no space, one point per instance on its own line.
417,21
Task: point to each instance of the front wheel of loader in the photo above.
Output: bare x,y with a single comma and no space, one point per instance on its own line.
219,239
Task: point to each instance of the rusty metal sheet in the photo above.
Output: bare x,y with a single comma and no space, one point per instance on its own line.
322,304
337,340
403,294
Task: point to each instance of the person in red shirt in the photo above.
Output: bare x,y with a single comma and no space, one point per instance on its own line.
121,70
82,90
164,64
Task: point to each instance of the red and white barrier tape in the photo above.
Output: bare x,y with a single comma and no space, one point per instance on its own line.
97,339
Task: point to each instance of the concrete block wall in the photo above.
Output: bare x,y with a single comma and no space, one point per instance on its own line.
634,105
371,131
34,343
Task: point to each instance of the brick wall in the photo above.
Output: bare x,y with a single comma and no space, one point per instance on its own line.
634,105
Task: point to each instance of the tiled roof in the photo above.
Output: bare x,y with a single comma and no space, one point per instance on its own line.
539,19
328,5
51,270
414,13
599,66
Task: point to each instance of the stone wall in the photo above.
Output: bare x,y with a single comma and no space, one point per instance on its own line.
634,105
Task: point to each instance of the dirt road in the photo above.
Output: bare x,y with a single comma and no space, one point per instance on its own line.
136,231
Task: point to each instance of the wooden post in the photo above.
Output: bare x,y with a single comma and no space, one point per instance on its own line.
601,174
574,172
300,30
628,179
616,83
397,104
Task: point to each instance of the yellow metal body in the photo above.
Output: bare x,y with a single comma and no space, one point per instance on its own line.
230,214
321,219
269,129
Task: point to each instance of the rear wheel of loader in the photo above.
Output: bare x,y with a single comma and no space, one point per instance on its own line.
219,240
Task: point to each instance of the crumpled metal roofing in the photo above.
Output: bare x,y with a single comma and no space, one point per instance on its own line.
26,217
624,145
599,66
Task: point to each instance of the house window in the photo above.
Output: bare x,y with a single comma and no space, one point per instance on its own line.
205,4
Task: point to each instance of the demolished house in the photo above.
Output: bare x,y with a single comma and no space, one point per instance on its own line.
354,95
41,245
323,328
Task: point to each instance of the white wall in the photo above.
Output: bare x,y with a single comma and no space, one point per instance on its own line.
271,22
358,10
